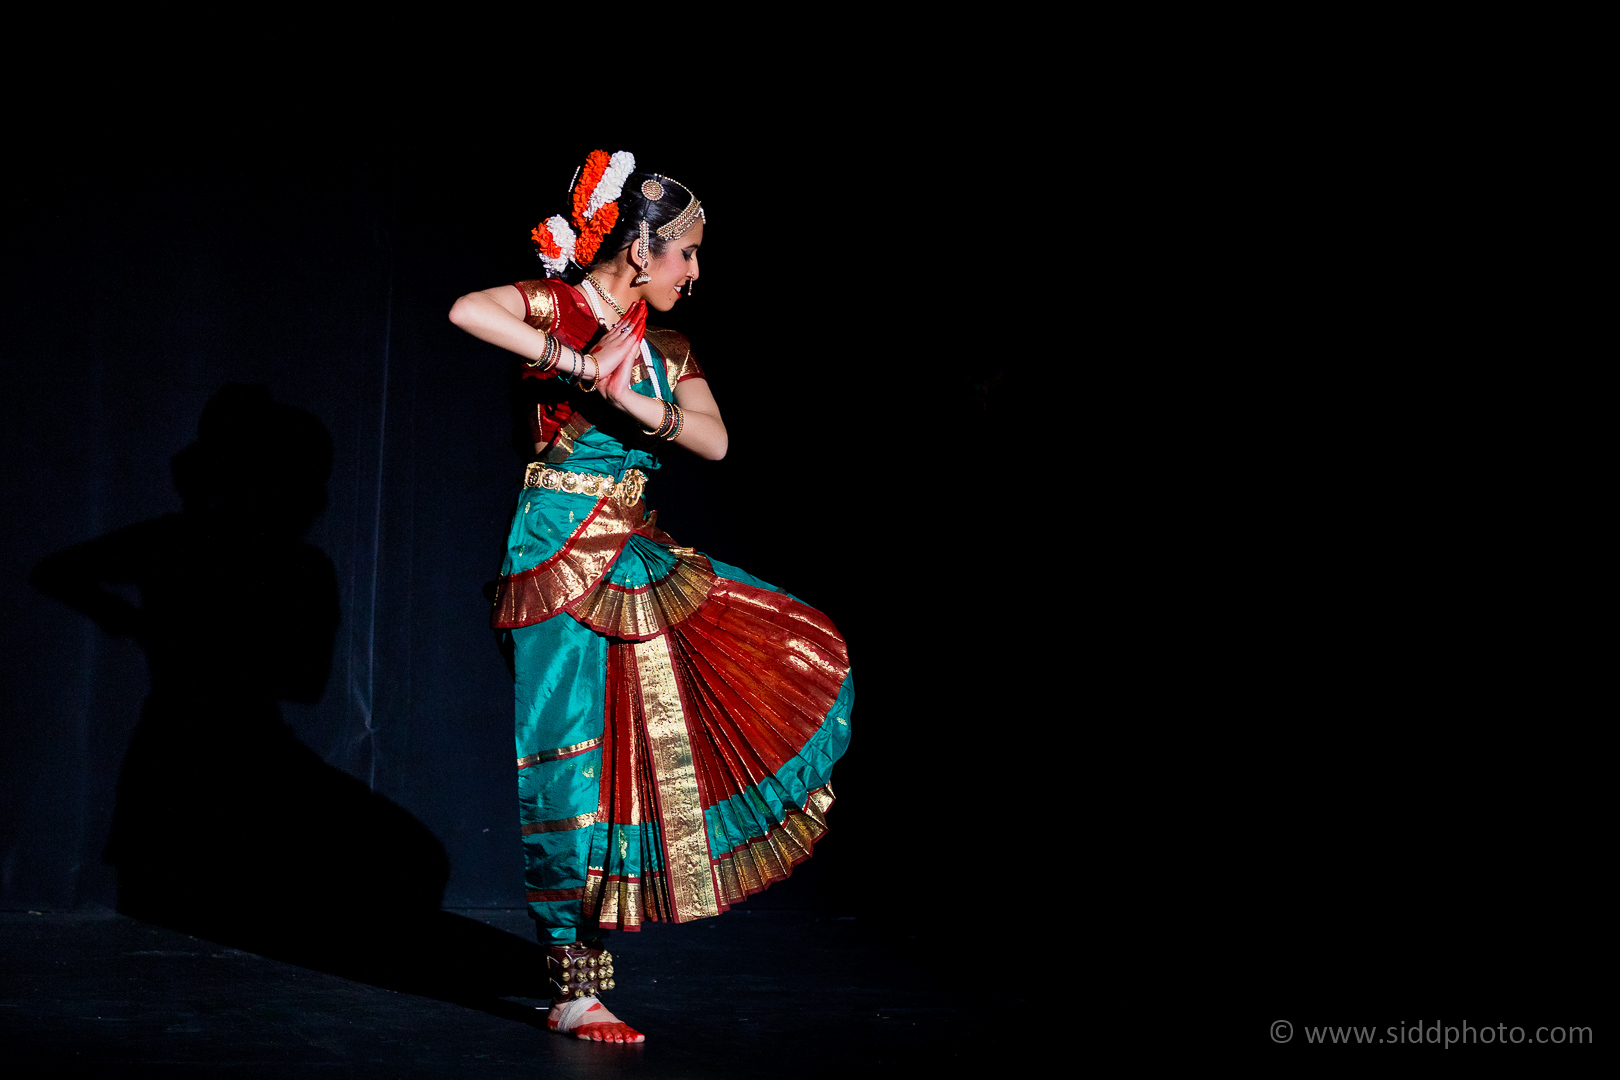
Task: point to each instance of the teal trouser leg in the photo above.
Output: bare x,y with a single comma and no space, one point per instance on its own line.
561,670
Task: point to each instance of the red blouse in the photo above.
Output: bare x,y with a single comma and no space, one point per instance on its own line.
557,308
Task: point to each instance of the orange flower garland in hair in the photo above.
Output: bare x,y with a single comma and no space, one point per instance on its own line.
594,232
546,242
594,210
593,227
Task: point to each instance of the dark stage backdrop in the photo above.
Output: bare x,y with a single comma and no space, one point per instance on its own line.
1295,588
318,255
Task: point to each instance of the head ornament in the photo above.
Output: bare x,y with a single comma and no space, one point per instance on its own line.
684,220
594,195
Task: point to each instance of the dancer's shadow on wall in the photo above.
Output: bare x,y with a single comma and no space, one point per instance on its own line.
226,826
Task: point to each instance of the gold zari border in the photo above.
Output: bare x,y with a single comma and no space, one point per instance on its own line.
680,809
558,754
750,868
637,614
562,443
553,896
613,902
567,824
540,593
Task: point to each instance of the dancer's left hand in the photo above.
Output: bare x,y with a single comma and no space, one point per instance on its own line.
615,382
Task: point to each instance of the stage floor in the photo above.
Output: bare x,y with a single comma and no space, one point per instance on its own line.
765,994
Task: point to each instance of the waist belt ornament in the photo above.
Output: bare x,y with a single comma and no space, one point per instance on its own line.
627,491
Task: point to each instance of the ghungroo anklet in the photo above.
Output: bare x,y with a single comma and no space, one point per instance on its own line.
576,971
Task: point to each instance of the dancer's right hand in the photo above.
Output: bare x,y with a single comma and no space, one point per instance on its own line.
622,342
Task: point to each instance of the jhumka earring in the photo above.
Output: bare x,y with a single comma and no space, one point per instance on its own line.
643,252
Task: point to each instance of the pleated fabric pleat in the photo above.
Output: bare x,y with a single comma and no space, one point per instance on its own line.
722,730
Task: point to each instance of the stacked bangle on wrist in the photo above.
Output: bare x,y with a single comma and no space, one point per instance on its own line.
663,425
673,420
576,372
548,356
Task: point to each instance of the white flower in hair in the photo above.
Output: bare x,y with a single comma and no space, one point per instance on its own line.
611,186
563,233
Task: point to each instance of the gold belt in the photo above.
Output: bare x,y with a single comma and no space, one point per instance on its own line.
627,491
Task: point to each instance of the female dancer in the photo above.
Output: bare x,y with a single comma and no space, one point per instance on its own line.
677,718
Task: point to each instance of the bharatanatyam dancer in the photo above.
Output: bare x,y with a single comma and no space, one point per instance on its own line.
677,718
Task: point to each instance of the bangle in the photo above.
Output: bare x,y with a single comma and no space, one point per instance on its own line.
548,356
680,421
663,425
595,376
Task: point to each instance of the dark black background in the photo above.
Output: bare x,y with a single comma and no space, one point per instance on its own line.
1212,595
315,248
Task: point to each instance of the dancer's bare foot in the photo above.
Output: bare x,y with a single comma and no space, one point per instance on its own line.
588,1018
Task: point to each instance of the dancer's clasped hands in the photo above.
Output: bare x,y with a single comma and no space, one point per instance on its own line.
617,351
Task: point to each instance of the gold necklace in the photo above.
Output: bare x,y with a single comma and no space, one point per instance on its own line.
603,293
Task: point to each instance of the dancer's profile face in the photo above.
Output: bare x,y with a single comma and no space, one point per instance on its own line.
672,270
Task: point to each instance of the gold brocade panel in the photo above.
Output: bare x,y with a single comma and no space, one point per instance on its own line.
677,353
680,806
613,901
539,304
638,614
